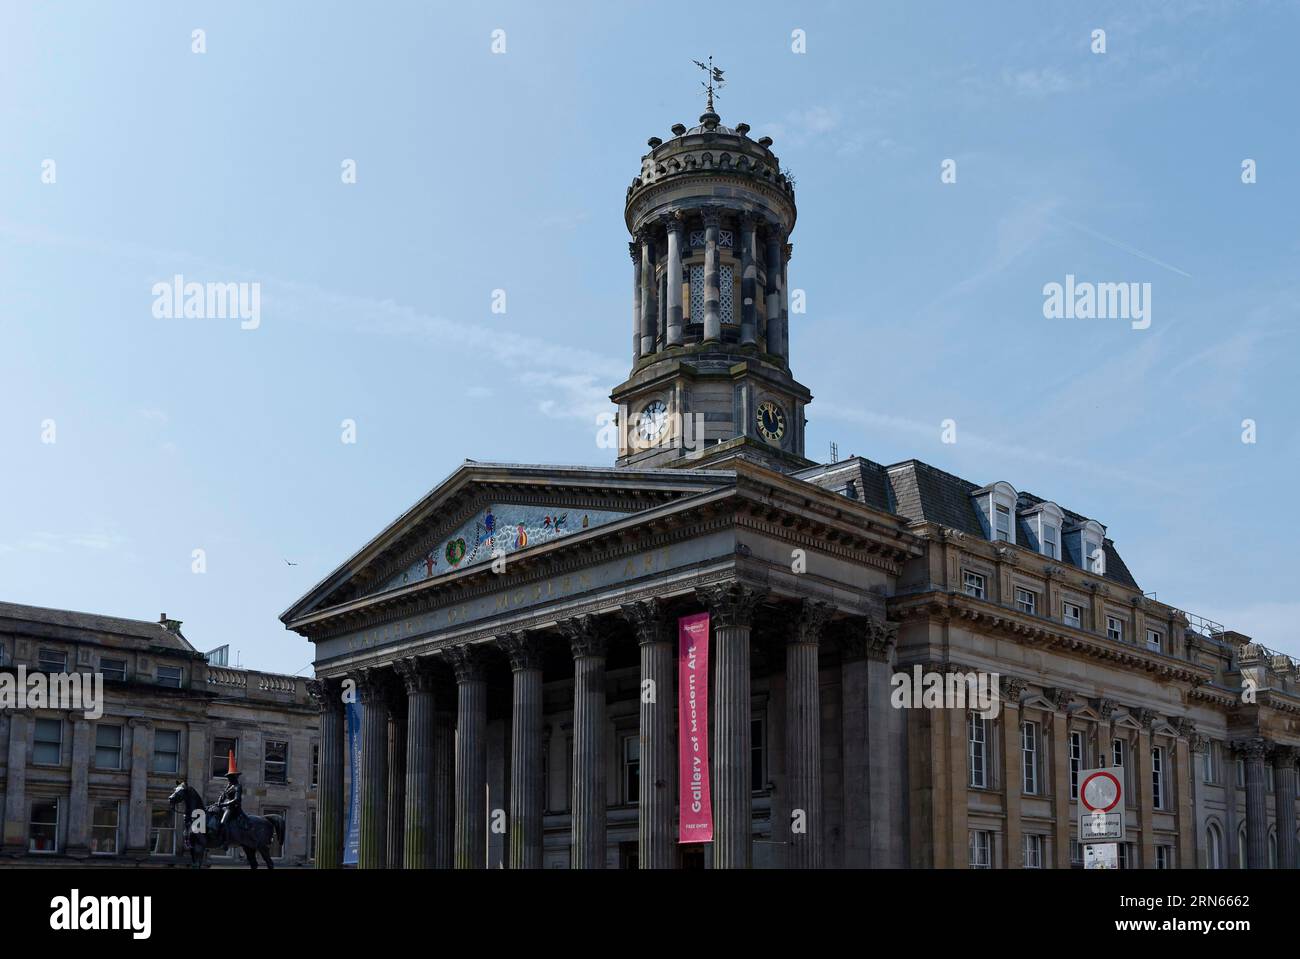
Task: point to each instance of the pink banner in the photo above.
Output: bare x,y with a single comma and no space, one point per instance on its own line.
695,810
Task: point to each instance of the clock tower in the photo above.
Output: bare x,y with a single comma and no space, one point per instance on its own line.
710,215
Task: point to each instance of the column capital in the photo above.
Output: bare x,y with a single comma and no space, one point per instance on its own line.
326,694
1103,707
1144,717
416,672
711,215
467,662
649,619
371,682
634,251
866,637
523,649
1198,742
1012,688
732,604
673,222
1252,749
1183,726
748,220
810,621
1285,755
1058,697
139,722
585,636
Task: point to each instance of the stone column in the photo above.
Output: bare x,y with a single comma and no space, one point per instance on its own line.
417,842
526,781
1254,751
803,739
395,701
1183,779
16,811
1199,745
372,852
656,843
470,845
1284,796
731,609
1012,769
1145,790
712,296
1065,805
748,279
634,249
78,841
674,272
444,779
587,643
649,307
329,798
773,336
137,820
784,351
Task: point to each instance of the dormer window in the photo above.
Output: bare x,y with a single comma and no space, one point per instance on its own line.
1044,522
1049,541
996,505
1087,546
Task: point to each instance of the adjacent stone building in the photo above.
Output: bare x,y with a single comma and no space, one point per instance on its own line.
94,790
512,637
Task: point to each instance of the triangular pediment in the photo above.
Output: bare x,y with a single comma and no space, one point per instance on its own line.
485,510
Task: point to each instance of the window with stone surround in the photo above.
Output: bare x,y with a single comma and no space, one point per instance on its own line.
1072,614
1026,601
222,747
162,831
631,759
977,740
47,742
108,746
166,750
973,584
1158,777
1114,629
105,818
1029,756
1033,846
1076,762
43,826
981,849
275,762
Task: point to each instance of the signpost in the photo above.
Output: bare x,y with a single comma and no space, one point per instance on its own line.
1101,818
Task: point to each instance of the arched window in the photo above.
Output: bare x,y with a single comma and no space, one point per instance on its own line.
1213,847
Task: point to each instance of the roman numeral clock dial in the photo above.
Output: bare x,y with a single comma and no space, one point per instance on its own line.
771,421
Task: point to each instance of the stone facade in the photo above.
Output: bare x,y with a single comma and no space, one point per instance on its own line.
94,790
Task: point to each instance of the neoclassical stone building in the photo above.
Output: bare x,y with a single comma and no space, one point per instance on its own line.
512,637
92,791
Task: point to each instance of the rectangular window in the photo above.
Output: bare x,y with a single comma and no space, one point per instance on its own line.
108,746
1026,601
311,834
275,762
1164,857
973,583
221,750
1049,541
1114,629
114,669
1241,773
1157,777
1094,559
977,741
1117,752
277,849
1076,762
1076,852
758,755
981,844
52,660
47,742
1126,857
103,828
43,828
1155,641
1002,518
166,750
1029,756
169,676
631,769
162,832
315,765
1072,614
1207,765
1033,851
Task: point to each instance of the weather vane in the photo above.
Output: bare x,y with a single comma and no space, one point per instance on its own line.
715,78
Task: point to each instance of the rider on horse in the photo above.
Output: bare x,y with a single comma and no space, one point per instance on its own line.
231,802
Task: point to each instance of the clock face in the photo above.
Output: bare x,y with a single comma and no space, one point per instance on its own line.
771,421
652,421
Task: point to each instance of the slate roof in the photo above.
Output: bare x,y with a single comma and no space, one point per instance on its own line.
156,633
922,493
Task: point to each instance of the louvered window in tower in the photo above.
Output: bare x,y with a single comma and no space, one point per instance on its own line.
727,294
697,293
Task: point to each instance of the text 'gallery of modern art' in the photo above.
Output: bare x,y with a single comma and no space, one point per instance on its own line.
685,660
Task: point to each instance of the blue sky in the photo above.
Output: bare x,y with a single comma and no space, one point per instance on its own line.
479,171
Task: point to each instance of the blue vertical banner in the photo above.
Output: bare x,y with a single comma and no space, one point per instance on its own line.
352,838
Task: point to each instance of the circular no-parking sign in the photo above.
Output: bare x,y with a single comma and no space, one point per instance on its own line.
1100,791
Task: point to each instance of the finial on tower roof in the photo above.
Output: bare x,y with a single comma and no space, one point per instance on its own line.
715,80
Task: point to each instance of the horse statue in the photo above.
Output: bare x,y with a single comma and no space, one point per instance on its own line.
201,830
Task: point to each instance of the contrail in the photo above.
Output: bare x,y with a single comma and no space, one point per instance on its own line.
1125,247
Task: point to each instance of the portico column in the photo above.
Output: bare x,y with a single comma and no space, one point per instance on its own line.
649,287
525,654
396,702
803,739
731,608
471,758
372,852
656,802
712,295
1254,751
329,801
587,643
444,778
748,279
634,249
674,274
775,270
1284,776
417,841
